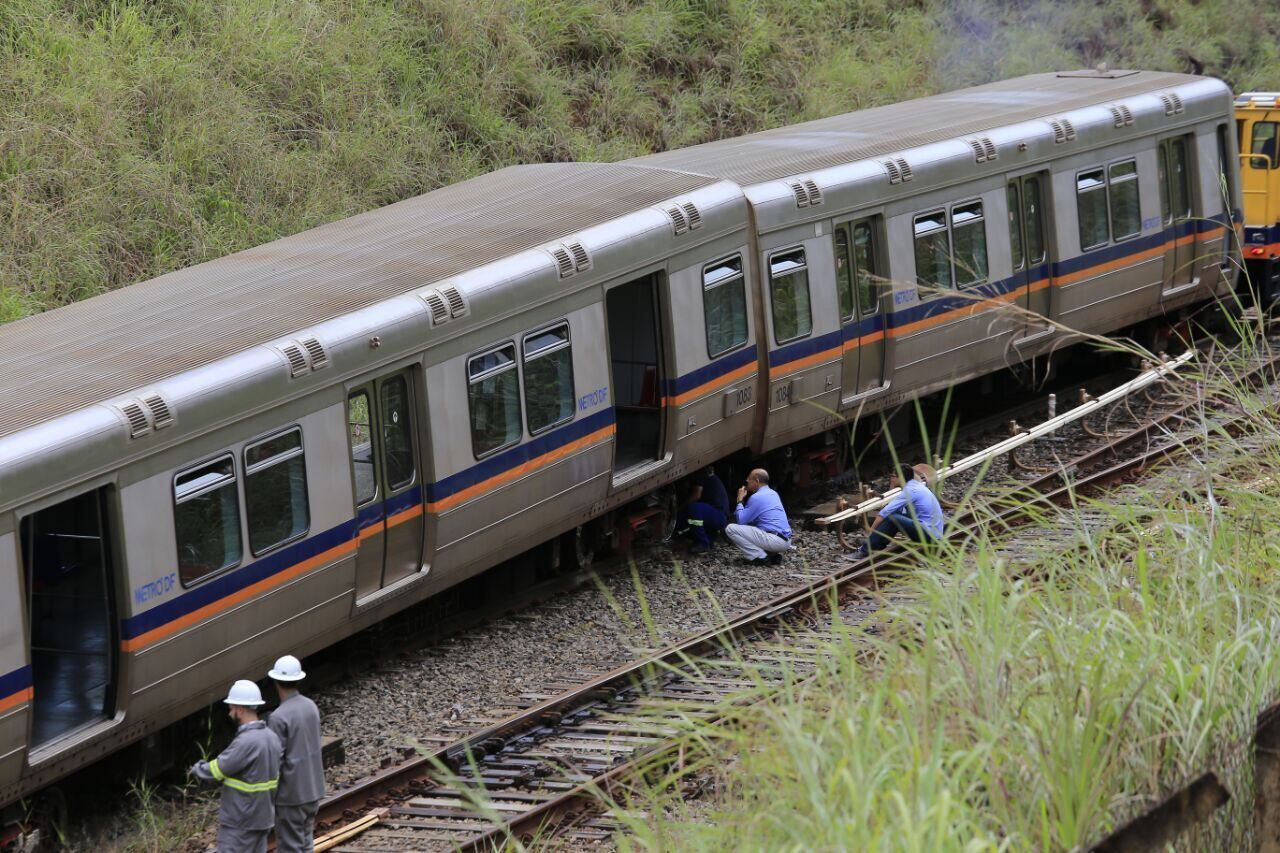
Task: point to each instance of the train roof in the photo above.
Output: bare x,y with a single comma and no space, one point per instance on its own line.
72,357
800,148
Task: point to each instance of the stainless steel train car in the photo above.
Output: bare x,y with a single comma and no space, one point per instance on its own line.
268,452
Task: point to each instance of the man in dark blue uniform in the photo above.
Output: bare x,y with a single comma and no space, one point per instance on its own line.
703,517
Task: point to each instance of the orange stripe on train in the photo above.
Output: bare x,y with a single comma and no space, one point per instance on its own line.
216,607
791,367
15,699
716,384
520,470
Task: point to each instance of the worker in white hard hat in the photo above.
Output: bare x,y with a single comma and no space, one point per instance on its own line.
297,722
249,771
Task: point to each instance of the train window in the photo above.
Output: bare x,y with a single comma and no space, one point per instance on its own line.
397,435
1091,205
933,250
548,378
494,395
1263,144
1126,217
1015,227
844,272
969,237
360,433
206,517
789,292
724,305
865,268
275,491
1033,218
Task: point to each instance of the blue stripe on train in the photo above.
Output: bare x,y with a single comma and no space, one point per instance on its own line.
13,682
712,371
495,465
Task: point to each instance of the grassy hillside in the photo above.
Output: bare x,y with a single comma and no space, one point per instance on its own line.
141,136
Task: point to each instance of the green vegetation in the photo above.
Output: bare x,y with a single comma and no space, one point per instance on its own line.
142,136
1032,702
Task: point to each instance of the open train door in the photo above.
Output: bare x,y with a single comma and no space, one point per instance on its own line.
637,371
69,571
1028,210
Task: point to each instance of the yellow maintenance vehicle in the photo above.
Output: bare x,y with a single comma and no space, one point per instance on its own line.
1257,128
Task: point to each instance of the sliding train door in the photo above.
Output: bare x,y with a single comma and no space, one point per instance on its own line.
637,372
1032,264
1173,159
388,485
860,276
68,568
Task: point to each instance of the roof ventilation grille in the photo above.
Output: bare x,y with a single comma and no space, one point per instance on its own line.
581,260
1063,131
983,149
1123,115
895,174
563,261
161,415
801,194
904,168
138,423
315,352
692,214
297,361
1172,104
812,191
679,221
436,307
457,304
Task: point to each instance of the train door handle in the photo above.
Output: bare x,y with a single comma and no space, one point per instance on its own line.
830,382
690,426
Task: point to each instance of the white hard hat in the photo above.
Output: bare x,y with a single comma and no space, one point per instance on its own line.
244,692
287,668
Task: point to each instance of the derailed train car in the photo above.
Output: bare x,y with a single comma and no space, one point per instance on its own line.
271,451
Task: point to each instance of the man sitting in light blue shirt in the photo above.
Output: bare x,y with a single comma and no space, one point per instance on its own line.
762,532
914,512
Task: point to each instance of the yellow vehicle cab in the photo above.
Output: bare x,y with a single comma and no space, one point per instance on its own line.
1258,128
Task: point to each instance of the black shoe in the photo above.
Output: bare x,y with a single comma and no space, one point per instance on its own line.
860,554
775,559
758,561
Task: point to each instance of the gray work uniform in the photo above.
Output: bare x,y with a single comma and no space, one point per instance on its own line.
297,722
249,771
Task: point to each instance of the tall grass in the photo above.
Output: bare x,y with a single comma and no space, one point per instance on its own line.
1029,699
141,136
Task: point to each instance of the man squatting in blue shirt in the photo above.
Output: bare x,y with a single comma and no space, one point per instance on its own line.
762,532
914,512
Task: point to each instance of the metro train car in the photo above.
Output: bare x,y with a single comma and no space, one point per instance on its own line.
268,452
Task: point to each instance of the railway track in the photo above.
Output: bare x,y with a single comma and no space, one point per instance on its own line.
544,766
